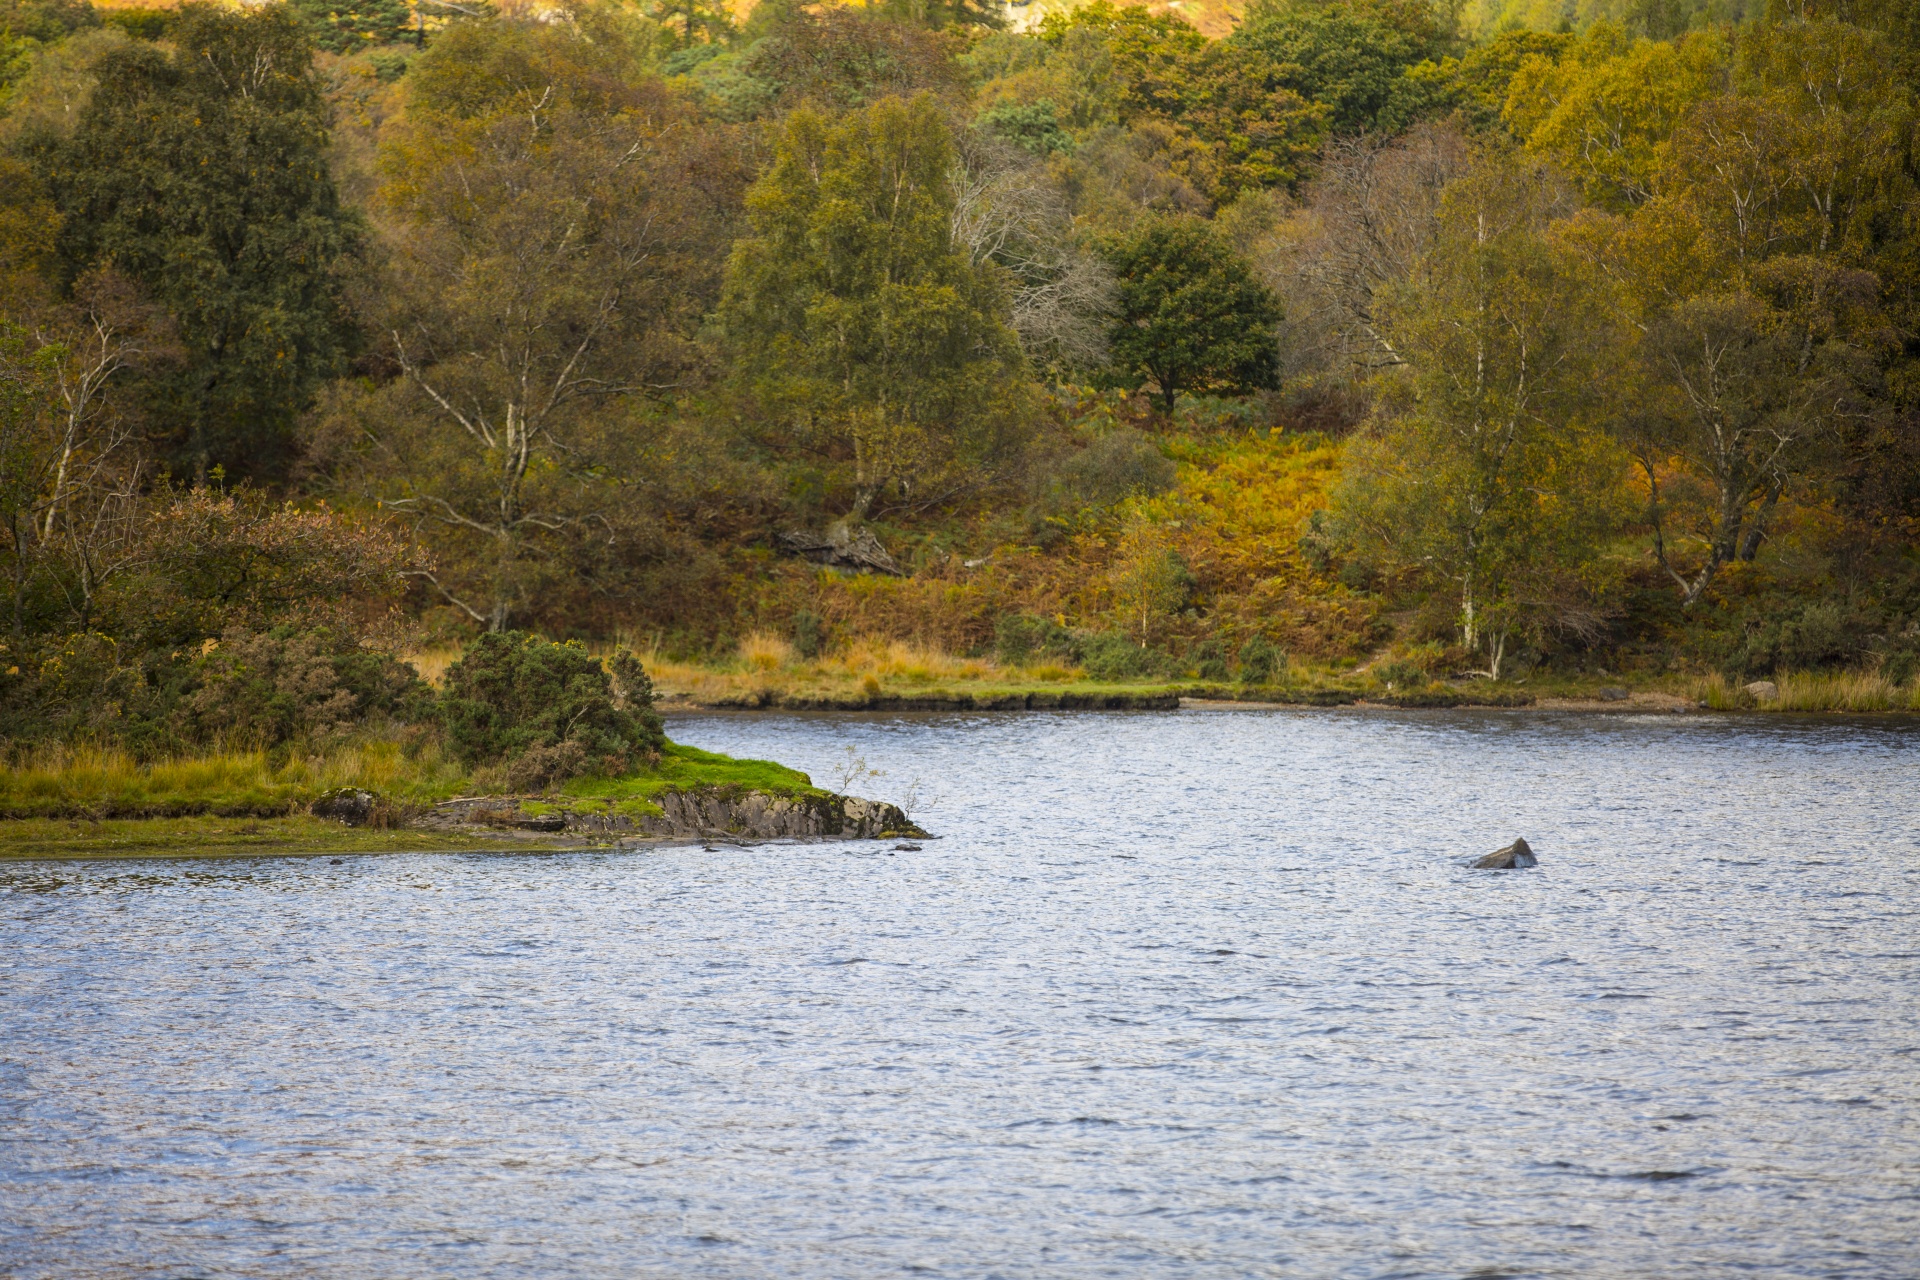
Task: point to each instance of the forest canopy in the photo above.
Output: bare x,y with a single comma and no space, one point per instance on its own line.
1526,335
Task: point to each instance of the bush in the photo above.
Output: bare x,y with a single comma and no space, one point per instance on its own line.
1210,661
352,25
1821,635
1261,662
264,689
253,689
809,636
1020,637
1108,655
1121,464
513,695
1118,465
67,688
1401,673
141,24
1901,663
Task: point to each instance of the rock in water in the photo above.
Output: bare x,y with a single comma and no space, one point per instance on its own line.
1517,854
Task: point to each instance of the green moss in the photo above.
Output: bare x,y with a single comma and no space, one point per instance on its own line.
684,768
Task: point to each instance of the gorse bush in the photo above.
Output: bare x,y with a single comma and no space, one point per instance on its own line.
1108,655
1824,634
262,690
1261,662
809,634
1019,638
1209,659
247,690
1401,673
553,708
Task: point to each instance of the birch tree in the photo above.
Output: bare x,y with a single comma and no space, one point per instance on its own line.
552,228
1484,480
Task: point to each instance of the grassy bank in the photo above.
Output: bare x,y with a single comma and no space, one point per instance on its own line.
98,802
1845,691
766,674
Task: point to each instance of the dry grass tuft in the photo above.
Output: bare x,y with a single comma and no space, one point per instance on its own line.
764,651
432,663
768,664
902,660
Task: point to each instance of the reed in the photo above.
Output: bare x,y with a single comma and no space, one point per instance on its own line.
1812,691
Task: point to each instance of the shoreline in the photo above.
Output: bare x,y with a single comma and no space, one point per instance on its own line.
508,825
1217,698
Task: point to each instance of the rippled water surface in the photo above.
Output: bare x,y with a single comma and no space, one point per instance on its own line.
1196,994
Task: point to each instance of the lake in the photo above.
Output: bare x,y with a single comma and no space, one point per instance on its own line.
1207,994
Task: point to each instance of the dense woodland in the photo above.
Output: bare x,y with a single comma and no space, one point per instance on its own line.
1508,338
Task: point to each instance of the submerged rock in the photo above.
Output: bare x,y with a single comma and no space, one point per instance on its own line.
1517,854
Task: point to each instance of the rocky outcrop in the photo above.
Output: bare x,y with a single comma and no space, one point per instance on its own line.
349,805
1518,854
729,813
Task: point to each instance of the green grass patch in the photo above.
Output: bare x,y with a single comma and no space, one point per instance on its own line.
93,786
684,768
205,836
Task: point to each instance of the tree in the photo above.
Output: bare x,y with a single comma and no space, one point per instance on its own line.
72,470
1369,223
553,225
1149,578
856,319
693,21
1605,109
1746,387
1762,334
1348,57
1240,122
842,57
350,26
1009,210
202,174
1487,480
1189,315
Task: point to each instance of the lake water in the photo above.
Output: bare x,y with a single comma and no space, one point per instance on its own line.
1202,994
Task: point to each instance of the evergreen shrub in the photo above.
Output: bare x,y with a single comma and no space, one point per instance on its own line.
514,697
